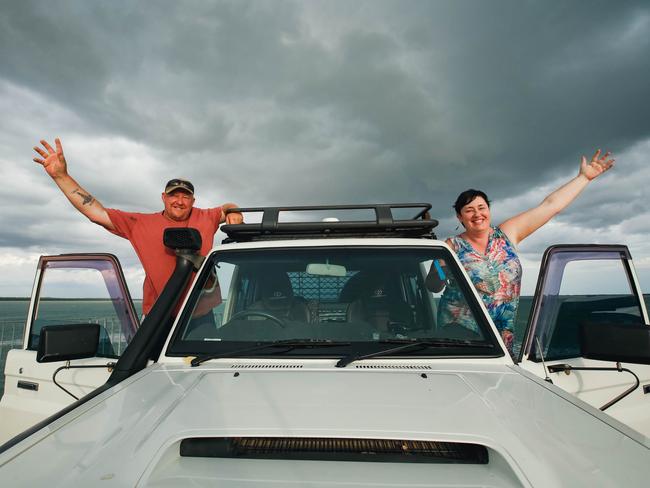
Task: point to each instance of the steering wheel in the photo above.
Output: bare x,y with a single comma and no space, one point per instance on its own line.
257,313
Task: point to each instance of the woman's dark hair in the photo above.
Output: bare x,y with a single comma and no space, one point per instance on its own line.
468,196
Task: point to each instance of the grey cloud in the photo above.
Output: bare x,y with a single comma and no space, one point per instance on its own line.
639,226
497,94
510,98
317,102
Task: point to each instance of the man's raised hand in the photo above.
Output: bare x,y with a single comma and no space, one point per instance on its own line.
52,160
598,165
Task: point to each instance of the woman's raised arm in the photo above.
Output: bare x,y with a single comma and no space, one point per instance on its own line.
520,226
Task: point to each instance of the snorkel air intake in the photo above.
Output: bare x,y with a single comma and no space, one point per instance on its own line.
148,341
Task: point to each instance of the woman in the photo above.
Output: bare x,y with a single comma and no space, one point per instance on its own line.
489,254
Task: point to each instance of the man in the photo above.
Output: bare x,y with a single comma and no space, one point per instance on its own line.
143,230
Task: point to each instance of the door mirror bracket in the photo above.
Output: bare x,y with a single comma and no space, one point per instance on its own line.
567,368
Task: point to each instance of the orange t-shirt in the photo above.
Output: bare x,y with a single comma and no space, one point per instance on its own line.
145,232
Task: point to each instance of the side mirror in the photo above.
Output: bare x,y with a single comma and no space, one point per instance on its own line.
615,342
66,342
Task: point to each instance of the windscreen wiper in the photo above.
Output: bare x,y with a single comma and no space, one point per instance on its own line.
406,344
289,344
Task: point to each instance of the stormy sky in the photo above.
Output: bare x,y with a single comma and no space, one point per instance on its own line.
290,103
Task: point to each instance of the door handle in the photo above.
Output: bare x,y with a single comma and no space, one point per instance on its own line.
28,385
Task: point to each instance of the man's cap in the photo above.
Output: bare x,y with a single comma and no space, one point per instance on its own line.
179,184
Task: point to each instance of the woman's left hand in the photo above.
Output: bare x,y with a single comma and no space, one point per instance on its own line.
597,166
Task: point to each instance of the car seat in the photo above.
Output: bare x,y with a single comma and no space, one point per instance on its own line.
380,304
277,298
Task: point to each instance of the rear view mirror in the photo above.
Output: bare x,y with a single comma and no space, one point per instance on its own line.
615,342
66,342
326,269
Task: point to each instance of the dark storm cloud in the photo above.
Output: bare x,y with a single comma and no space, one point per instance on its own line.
266,102
516,93
508,86
133,66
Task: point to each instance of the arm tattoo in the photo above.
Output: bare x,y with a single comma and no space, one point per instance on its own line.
88,199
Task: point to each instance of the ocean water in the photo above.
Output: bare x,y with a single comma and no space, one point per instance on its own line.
16,310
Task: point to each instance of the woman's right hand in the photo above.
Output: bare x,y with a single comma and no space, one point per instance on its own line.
52,160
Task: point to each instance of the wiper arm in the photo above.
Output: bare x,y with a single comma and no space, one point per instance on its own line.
406,344
289,344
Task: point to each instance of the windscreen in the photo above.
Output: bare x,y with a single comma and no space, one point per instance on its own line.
353,297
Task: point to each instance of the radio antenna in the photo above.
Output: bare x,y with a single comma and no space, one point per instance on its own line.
541,355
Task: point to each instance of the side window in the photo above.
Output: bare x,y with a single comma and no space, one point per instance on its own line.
243,294
84,292
590,291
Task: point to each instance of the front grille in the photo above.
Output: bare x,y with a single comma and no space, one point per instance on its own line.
334,449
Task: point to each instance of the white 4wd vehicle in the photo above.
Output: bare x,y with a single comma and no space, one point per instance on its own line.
328,364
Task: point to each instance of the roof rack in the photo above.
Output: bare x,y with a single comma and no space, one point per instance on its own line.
384,225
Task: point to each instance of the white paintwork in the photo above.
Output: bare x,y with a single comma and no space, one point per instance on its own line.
599,387
20,408
129,435
537,434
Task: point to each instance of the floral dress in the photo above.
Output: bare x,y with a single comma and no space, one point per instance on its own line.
497,278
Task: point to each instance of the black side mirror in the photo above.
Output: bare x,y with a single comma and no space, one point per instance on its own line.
615,342
66,342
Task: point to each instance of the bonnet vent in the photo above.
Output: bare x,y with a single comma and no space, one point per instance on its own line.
334,449
266,366
393,366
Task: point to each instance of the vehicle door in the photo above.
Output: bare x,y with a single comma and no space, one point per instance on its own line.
68,289
587,286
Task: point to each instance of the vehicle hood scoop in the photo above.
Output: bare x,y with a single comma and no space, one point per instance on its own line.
266,366
392,366
334,449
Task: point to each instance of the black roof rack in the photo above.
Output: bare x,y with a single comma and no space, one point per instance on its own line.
384,225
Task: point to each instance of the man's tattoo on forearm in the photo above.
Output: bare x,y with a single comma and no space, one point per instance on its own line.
88,199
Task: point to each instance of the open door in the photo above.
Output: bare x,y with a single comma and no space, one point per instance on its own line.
74,298
583,289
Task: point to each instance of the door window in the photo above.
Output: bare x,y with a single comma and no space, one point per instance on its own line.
84,292
582,287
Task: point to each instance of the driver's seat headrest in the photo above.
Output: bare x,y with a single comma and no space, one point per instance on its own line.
275,285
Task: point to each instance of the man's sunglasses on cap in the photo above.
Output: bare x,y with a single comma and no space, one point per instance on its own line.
178,184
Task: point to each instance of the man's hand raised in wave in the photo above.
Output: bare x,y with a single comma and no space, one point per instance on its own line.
55,165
